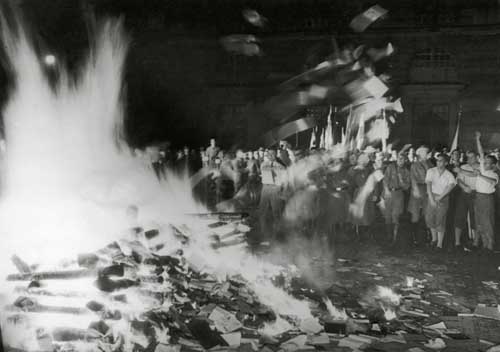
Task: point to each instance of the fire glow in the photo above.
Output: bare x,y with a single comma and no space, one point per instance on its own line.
69,177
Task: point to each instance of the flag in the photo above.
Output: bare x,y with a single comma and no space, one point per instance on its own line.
282,132
454,143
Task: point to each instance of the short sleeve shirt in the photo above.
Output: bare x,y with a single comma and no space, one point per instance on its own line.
483,186
470,181
439,181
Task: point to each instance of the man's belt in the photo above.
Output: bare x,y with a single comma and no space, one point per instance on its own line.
395,189
485,194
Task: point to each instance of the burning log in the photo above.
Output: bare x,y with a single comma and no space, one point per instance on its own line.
221,216
53,275
30,305
66,334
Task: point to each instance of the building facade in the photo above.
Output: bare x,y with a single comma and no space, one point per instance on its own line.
183,86
446,64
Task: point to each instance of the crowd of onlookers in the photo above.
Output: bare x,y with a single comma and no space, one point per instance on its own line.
436,193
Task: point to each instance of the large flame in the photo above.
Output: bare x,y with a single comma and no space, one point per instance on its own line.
69,177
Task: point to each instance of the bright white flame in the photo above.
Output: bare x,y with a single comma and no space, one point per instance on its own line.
410,281
277,327
387,294
69,178
389,314
334,311
50,60
68,175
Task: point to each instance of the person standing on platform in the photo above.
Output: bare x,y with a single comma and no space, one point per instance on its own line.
440,182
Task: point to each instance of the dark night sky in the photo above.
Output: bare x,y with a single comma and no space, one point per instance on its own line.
166,98
161,102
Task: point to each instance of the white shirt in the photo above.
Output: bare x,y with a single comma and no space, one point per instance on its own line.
470,181
483,186
439,182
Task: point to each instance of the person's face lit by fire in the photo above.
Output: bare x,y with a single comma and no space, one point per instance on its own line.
212,143
441,161
401,160
271,155
490,162
422,153
239,154
455,156
471,158
379,161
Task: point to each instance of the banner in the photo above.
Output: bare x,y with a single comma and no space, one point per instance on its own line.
282,132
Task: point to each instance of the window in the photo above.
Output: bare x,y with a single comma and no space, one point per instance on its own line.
440,111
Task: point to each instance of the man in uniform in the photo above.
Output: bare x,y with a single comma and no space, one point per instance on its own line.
396,181
418,194
211,153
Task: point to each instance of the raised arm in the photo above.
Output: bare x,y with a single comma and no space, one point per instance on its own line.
479,146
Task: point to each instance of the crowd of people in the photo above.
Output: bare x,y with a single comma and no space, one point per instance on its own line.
320,192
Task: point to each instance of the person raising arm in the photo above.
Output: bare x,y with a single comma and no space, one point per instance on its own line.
484,202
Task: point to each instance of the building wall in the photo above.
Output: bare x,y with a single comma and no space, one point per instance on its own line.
447,60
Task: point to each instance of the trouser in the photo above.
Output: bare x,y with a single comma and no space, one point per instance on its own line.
435,215
393,206
270,209
464,206
417,204
484,210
